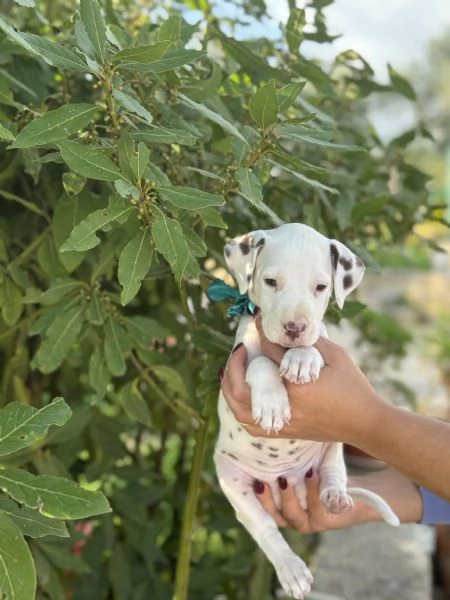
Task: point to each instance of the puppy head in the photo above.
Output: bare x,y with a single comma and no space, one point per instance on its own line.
290,272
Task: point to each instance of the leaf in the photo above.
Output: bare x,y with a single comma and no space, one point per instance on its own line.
17,573
250,187
315,74
164,135
307,180
400,84
55,54
294,29
5,134
154,174
17,37
130,104
52,496
134,263
212,116
141,54
27,3
55,125
59,288
263,105
196,245
310,135
134,404
94,24
21,425
171,29
83,235
171,378
11,301
115,347
212,218
288,94
144,330
188,198
99,375
31,522
61,336
139,161
88,162
170,60
169,241
368,208
125,151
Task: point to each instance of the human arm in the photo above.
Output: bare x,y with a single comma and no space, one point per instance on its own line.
343,406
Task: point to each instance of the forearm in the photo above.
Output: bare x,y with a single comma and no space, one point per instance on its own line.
416,445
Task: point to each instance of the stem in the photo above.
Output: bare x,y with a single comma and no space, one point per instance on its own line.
30,250
184,554
110,104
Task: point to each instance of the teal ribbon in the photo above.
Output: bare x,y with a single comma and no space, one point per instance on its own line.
218,291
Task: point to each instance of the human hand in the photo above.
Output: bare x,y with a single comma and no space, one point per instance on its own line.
339,406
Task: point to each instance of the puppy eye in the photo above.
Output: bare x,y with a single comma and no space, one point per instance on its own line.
321,287
270,282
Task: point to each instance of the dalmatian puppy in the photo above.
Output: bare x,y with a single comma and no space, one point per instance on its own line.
289,273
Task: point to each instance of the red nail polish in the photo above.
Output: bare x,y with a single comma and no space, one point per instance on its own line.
258,487
309,473
220,374
255,312
237,347
282,482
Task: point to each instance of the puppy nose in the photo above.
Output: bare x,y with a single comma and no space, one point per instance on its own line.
293,330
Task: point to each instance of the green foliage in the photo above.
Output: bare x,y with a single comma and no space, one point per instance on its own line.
132,145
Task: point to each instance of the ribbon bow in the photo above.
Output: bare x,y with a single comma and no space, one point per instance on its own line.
218,290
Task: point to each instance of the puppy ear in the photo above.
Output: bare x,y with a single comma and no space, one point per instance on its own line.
348,270
241,253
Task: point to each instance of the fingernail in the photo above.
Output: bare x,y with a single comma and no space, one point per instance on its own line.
282,482
258,487
237,347
309,473
220,374
255,312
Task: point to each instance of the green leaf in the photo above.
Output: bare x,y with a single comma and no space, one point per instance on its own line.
88,162
31,522
165,135
94,24
55,54
154,174
294,29
21,425
196,245
170,242
132,105
250,187
288,94
212,116
59,288
55,125
263,105
315,74
52,496
304,179
139,161
11,301
83,235
115,347
212,218
5,134
17,573
188,198
134,404
144,330
170,30
134,263
99,375
369,208
400,84
61,336
141,55
170,60
171,378
125,151
311,135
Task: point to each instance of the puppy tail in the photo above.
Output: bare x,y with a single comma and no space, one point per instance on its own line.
376,502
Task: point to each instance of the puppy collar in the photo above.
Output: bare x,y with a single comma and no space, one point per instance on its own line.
218,290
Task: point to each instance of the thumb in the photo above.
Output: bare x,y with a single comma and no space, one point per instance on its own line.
330,351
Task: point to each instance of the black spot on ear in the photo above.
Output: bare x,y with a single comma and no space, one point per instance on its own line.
347,263
260,243
347,282
334,256
249,278
245,245
227,252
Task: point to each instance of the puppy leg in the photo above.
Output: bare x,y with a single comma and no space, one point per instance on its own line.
270,402
301,365
293,574
333,480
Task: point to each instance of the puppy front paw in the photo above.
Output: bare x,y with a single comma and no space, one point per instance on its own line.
336,500
270,407
301,365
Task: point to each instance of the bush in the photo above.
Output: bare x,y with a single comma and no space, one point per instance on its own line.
133,143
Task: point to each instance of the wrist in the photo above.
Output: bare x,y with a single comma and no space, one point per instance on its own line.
364,428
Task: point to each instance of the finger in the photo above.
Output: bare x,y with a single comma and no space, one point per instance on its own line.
328,349
273,351
264,495
313,491
291,510
233,383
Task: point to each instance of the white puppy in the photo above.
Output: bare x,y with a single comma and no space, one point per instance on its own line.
289,273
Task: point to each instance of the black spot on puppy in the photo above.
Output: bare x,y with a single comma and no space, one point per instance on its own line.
292,451
273,455
227,252
347,282
244,245
231,435
261,462
334,256
232,456
272,449
257,445
346,263
260,243
292,441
